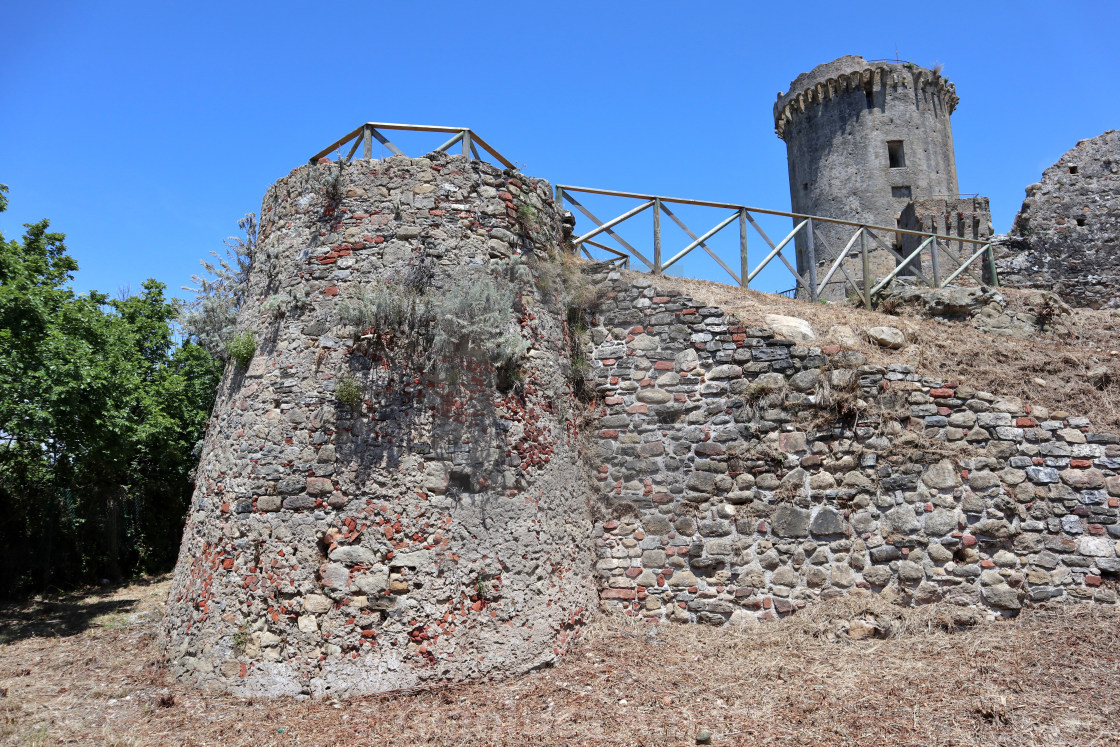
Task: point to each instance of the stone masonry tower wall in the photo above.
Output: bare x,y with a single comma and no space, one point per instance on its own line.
862,140
437,528
1066,237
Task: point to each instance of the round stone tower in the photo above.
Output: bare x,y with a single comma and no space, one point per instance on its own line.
391,491
863,139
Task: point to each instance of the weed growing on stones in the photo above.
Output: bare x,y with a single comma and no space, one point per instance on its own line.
242,348
473,317
528,218
275,306
382,308
349,391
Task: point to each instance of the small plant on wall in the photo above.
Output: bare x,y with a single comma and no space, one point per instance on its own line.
242,348
349,391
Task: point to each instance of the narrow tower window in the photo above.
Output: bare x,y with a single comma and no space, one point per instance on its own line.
895,154
901,192
1073,169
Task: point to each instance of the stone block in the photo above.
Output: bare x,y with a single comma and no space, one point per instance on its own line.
942,476
827,521
887,337
790,521
269,503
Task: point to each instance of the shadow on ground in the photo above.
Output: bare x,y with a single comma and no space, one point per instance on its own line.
69,613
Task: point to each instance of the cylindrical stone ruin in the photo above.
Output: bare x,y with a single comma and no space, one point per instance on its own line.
378,505
863,139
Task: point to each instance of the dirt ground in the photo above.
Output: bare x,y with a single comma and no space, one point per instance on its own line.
85,669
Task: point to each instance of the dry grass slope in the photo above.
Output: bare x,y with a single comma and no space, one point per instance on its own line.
1049,677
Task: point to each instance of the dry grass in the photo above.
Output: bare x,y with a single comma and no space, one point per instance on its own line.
1045,678
954,351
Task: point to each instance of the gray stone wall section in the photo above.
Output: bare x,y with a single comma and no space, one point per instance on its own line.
437,531
1066,237
967,217
747,476
836,121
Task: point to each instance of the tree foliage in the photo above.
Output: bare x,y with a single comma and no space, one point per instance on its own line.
99,412
210,318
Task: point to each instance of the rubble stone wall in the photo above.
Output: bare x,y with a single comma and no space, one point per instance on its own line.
440,526
967,217
438,530
1066,237
747,475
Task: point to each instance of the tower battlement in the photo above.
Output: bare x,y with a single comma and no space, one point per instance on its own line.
853,74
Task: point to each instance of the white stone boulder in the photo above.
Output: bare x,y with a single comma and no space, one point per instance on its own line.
790,328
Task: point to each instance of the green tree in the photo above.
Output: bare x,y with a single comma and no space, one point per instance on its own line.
99,413
210,318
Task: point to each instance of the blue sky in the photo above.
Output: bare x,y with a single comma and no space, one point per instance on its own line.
145,130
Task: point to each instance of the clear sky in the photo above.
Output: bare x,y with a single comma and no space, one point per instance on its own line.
145,130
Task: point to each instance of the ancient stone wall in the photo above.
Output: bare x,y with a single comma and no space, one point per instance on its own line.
375,509
419,526
837,121
967,217
1066,237
747,475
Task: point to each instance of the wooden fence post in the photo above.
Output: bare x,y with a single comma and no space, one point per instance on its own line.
866,268
744,267
933,261
811,254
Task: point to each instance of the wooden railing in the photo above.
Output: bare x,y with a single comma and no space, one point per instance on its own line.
933,247
364,136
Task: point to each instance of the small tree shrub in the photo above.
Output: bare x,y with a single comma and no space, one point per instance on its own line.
474,317
349,391
242,348
209,318
334,185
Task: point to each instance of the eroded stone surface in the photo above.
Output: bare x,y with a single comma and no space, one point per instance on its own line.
1066,237
437,530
